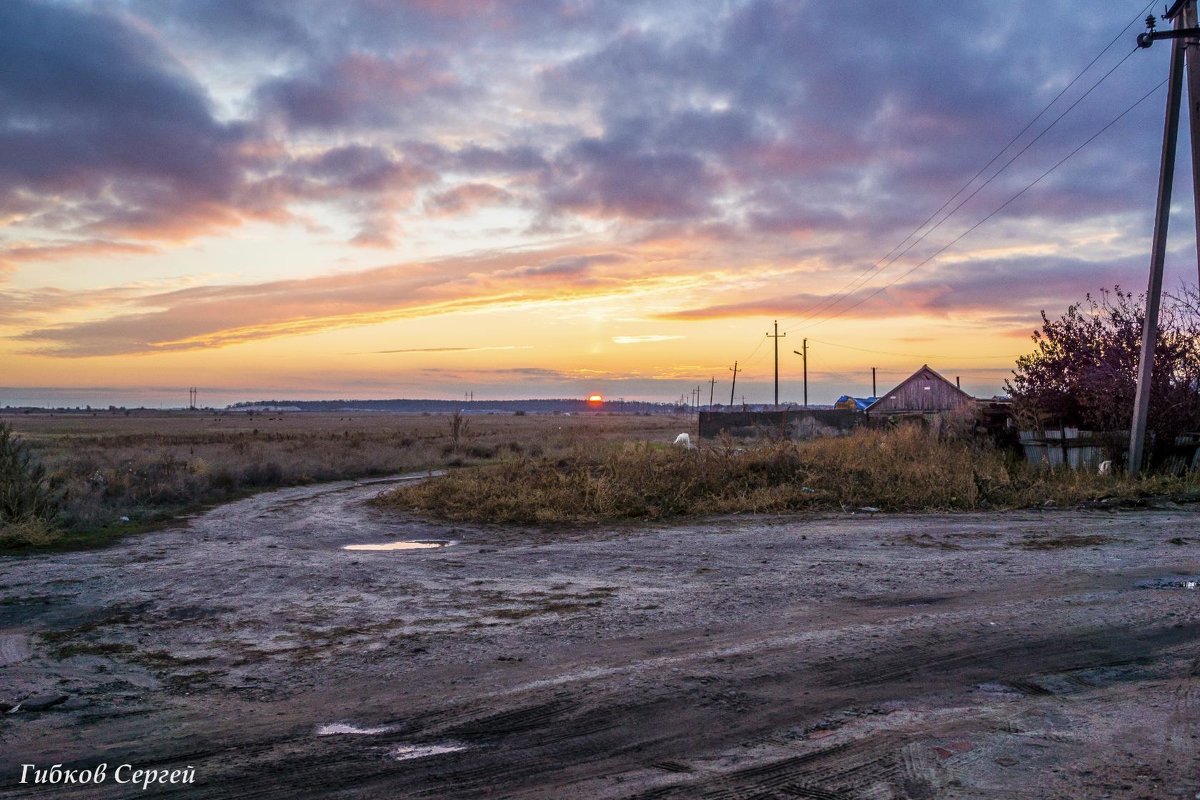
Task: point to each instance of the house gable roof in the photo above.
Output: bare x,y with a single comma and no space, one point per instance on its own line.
925,374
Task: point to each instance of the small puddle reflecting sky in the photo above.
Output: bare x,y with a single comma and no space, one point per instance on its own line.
406,751
406,545
342,729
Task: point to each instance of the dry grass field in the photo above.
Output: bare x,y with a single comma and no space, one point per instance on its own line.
114,474
149,466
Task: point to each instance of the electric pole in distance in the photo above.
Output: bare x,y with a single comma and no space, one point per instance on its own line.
712,387
776,336
733,388
804,356
873,392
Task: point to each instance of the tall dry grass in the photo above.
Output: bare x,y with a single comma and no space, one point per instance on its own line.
29,500
153,466
906,469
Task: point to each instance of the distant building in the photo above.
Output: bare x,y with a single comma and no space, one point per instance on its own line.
924,392
925,395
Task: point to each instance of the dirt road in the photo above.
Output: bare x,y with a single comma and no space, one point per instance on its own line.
1022,655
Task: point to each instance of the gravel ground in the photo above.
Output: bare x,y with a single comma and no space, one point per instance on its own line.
1038,654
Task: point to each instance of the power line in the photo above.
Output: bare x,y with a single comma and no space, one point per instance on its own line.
996,211
821,305
830,302
1028,125
907,355
826,303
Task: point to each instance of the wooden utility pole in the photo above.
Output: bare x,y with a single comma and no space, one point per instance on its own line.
804,356
1162,218
733,388
712,386
776,336
1191,60
873,392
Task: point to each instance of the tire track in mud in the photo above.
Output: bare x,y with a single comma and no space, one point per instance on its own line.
856,766
1010,656
527,746
836,772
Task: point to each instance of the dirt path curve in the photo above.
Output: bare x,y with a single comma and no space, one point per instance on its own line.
1022,655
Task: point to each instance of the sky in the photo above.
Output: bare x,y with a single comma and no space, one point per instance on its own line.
379,199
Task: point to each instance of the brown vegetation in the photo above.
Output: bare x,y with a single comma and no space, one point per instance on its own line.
907,469
1083,372
153,465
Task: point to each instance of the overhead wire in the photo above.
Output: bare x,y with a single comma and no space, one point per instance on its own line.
875,269
869,274
905,355
995,211
880,265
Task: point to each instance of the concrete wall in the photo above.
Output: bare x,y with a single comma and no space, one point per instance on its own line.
791,423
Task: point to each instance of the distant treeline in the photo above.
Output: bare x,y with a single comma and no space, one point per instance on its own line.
468,406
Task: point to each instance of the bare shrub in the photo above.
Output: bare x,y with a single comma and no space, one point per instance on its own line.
460,427
26,492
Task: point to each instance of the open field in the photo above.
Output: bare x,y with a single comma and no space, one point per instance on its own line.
152,465
1029,654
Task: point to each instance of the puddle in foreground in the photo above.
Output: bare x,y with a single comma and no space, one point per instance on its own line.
406,751
341,728
425,544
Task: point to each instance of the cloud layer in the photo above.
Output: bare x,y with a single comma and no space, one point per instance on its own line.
666,141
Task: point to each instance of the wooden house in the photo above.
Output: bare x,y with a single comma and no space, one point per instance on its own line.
924,392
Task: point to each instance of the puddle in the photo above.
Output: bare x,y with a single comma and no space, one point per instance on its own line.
416,544
1170,582
342,729
406,751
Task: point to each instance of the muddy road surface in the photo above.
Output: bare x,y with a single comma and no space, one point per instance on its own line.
1039,654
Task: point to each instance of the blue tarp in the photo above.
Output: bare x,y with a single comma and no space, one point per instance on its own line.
860,403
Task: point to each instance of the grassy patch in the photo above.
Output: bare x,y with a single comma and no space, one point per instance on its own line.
905,469
30,533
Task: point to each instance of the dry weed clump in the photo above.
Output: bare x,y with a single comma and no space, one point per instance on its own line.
28,532
906,469
29,499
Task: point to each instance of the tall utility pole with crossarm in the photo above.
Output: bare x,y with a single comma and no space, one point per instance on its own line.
803,353
1185,47
776,336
